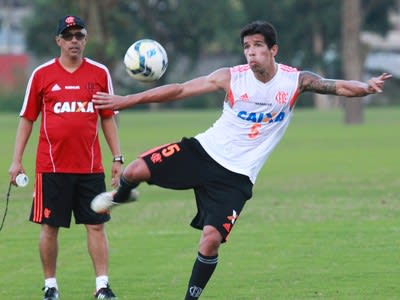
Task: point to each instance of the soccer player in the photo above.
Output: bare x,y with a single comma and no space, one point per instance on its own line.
222,163
69,170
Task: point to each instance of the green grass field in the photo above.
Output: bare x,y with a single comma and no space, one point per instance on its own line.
323,222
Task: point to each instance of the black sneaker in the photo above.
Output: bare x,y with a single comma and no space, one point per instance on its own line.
105,293
50,293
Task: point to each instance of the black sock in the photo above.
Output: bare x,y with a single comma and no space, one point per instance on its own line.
203,268
124,190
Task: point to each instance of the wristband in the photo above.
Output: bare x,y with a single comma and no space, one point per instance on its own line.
118,158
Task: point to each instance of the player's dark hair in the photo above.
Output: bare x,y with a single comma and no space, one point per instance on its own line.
262,27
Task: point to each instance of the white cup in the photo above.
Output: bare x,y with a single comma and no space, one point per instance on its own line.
22,180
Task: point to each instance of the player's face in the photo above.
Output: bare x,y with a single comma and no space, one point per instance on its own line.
72,42
260,58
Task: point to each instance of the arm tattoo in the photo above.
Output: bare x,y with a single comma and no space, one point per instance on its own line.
311,82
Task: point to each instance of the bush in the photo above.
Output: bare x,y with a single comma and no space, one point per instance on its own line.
11,101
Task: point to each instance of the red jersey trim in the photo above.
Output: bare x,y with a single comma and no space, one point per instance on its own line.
294,99
47,138
287,68
153,150
37,208
230,98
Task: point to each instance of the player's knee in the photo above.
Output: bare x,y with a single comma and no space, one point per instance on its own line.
48,231
137,171
210,241
94,227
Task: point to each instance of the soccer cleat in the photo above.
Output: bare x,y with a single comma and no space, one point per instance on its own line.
103,202
50,293
105,293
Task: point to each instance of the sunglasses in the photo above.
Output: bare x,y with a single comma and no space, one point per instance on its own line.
68,36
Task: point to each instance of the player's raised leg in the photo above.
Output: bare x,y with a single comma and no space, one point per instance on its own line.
136,172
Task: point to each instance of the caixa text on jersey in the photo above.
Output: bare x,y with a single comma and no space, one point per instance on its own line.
260,117
74,106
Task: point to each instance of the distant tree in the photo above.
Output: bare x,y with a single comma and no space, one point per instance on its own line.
198,28
351,54
185,28
41,26
309,29
96,14
355,15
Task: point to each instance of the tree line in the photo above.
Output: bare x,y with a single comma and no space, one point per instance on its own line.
193,30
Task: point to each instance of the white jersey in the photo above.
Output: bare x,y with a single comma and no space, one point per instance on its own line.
254,118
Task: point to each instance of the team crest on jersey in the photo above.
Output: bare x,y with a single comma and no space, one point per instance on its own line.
47,213
74,106
156,158
281,97
91,87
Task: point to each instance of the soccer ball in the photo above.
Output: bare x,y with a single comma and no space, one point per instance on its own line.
146,60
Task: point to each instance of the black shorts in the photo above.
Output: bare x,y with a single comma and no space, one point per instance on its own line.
58,195
220,193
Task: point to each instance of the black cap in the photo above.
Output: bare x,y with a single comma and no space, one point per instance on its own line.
69,21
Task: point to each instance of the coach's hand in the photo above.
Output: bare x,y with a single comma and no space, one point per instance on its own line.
14,170
116,171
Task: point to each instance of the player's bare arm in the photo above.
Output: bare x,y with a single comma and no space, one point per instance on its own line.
311,82
218,79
